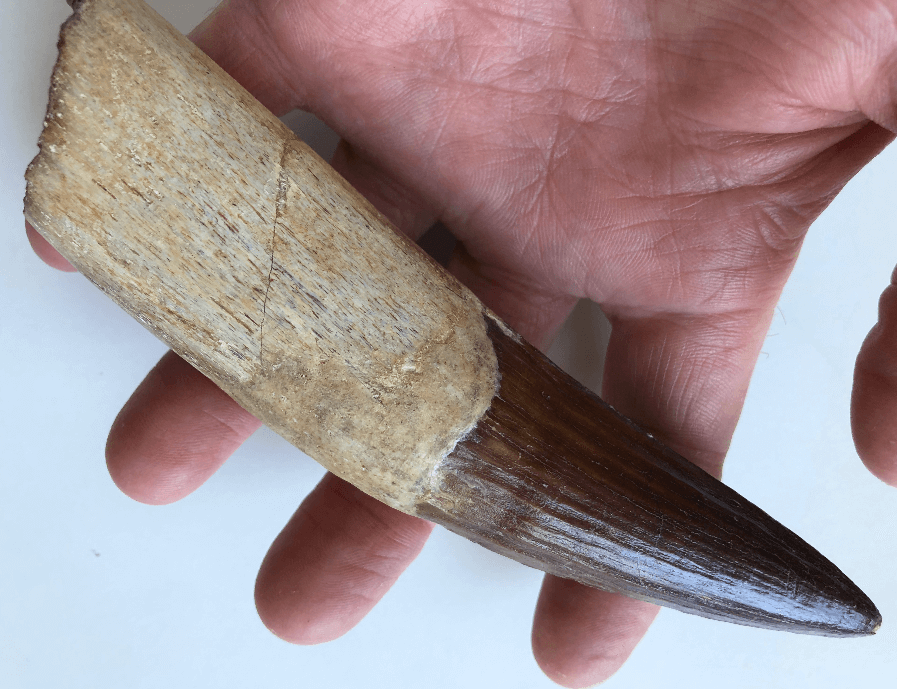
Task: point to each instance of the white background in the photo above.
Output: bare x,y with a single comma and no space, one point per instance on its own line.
97,591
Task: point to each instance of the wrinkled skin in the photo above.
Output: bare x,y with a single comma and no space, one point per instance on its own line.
662,158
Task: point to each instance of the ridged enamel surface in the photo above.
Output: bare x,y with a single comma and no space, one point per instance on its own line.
556,479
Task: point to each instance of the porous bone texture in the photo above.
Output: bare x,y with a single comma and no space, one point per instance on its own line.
200,213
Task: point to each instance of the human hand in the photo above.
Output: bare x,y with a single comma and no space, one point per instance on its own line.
662,163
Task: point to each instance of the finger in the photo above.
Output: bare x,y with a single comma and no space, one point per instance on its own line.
873,412
173,433
261,42
683,378
334,560
45,251
582,635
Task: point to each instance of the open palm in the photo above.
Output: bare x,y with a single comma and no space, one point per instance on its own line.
662,158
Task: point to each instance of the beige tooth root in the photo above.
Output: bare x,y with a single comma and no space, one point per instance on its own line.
203,216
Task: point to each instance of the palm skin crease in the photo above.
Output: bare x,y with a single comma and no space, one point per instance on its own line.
664,159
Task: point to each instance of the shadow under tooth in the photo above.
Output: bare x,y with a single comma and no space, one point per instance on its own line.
553,477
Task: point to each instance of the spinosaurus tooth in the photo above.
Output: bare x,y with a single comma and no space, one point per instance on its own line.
201,214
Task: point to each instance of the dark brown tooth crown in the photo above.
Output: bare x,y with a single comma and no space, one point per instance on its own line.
555,478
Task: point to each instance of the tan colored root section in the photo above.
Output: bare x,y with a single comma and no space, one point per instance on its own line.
384,362
194,208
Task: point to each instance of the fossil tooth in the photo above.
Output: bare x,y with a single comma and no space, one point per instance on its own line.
194,208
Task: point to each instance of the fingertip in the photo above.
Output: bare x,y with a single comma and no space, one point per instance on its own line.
283,598
45,251
288,627
136,469
174,432
311,631
582,636
334,560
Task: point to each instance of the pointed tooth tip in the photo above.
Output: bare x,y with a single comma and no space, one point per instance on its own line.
869,617
870,628
862,621
873,625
